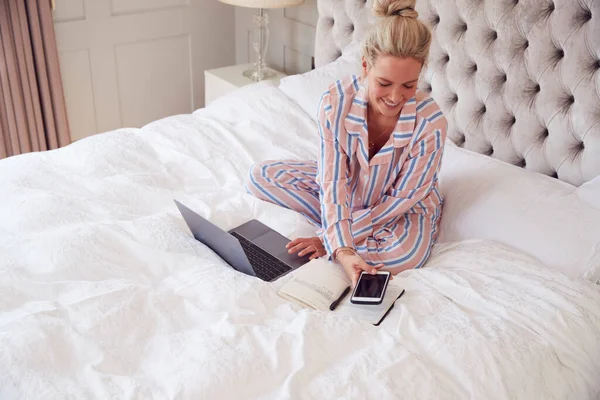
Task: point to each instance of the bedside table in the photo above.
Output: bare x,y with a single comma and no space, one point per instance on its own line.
220,81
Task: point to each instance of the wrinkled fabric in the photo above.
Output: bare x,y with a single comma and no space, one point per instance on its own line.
104,292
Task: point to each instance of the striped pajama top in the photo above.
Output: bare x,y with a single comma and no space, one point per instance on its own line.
361,197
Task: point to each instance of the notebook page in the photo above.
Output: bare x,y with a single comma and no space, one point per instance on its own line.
316,284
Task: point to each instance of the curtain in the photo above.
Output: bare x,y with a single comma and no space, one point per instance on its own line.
33,115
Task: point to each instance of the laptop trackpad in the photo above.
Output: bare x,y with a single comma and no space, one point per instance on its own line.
274,243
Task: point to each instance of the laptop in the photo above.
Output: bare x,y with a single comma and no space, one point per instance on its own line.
251,248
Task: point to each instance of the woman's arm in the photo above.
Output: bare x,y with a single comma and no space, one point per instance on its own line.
333,178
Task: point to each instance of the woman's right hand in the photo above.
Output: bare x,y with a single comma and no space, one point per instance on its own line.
354,265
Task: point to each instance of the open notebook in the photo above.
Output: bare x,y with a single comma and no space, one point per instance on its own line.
320,285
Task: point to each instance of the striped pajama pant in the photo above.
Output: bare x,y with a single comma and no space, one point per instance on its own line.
292,184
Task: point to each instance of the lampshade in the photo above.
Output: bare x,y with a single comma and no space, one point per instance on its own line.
263,3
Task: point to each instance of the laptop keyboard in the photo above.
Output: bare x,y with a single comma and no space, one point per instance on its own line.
266,266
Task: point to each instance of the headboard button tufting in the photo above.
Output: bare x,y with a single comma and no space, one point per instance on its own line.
587,16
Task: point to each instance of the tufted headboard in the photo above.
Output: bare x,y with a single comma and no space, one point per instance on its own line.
518,80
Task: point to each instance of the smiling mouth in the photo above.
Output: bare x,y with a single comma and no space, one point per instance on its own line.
391,105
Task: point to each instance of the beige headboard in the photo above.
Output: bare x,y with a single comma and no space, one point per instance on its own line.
518,80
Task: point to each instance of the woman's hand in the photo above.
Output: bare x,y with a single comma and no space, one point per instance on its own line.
304,246
354,265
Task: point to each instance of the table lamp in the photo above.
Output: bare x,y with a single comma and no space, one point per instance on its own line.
260,33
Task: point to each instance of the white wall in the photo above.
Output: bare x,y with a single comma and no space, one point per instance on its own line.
129,62
291,44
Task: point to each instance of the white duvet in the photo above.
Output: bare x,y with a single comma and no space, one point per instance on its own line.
105,294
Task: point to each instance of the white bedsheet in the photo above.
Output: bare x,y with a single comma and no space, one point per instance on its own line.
104,293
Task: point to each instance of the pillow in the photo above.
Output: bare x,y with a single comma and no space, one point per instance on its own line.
306,89
590,192
485,198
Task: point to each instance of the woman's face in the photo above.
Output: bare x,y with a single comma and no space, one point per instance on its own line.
392,81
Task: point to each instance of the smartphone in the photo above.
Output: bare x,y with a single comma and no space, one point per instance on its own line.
370,289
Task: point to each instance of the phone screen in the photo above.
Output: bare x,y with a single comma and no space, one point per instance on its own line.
370,286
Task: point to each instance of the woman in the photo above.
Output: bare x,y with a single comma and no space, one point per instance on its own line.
374,191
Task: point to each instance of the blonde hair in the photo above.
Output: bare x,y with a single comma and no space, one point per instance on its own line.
398,34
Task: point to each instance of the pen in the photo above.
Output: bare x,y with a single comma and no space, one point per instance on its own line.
335,303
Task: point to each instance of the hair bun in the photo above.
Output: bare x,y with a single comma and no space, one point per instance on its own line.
395,8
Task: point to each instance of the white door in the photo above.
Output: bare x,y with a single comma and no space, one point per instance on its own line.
125,63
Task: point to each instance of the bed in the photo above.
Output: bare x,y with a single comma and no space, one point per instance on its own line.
105,294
